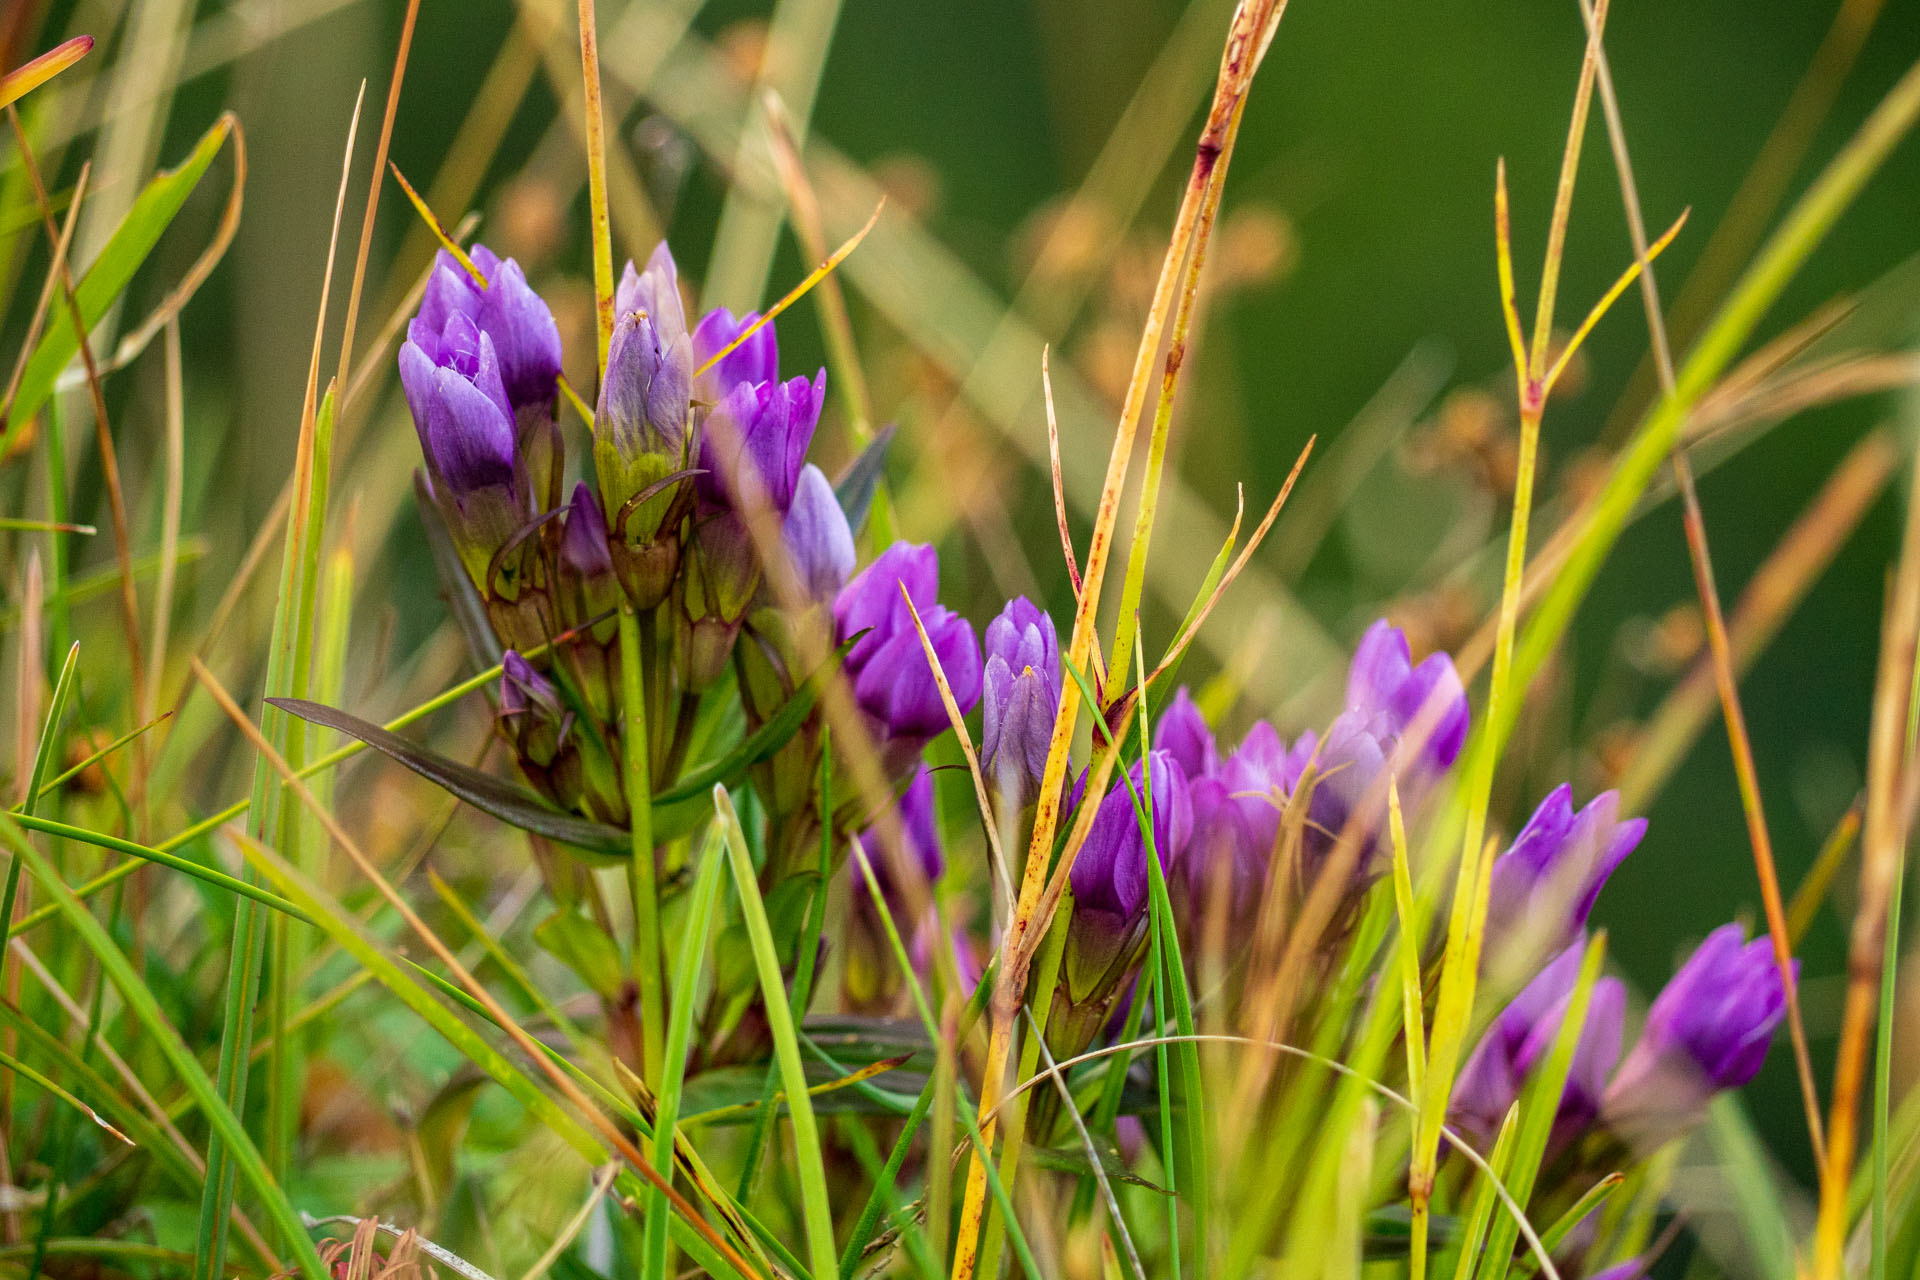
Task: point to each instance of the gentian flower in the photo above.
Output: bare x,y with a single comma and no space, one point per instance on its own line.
892,681
1182,732
1110,882
872,975
755,442
586,589
1236,819
919,834
525,339
752,448
1414,717
1383,682
755,360
1707,1031
641,427
1522,1035
1022,693
818,539
1545,884
451,376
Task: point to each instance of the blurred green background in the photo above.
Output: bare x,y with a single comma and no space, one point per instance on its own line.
1357,252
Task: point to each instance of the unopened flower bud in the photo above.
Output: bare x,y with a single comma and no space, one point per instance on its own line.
1021,694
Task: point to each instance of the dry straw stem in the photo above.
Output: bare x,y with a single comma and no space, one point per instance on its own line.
1881,851
1253,25
373,191
563,1083
597,185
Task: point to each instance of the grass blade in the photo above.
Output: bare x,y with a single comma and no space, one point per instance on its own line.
810,1169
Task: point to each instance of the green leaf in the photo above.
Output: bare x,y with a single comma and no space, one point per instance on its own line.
512,804
861,480
114,269
583,947
756,746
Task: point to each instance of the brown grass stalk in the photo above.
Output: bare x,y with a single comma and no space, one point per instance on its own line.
1718,645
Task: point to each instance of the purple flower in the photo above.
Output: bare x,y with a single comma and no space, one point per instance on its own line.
920,832
1521,1036
1545,884
1110,877
754,443
1708,1030
1182,732
1388,700
1022,693
1236,818
755,360
892,680
1383,682
1110,881
817,537
524,336
644,400
655,293
451,377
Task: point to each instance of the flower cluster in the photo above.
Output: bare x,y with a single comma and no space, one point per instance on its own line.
703,516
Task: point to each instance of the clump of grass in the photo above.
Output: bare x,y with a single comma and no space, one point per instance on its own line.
832,976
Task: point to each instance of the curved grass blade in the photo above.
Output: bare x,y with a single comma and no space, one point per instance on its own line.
114,269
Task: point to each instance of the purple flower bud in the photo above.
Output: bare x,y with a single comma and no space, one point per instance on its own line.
1110,874
451,376
1111,882
817,536
892,680
1182,732
644,399
1708,1030
1522,1035
755,360
1021,694
509,312
1383,681
540,730
654,292
754,443
1545,884
588,586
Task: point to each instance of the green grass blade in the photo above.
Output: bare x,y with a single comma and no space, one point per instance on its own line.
686,981
350,936
49,742
810,1168
1480,1211
140,1001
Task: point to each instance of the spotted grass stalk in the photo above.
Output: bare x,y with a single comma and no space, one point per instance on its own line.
1252,29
